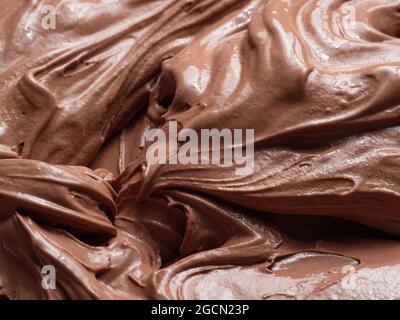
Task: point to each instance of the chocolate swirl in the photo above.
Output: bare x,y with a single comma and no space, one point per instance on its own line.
317,81
324,77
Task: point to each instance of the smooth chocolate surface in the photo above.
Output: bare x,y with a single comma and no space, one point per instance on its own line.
317,80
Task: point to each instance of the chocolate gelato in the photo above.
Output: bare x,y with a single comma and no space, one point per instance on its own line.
317,80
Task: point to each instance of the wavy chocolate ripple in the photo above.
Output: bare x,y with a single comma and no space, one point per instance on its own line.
73,197
325,79
317,80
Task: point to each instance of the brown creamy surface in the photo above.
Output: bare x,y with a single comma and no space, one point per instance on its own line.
318,80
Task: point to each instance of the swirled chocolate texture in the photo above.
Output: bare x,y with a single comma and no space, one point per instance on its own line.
317,80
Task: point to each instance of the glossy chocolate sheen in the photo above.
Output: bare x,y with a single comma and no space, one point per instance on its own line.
318,81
